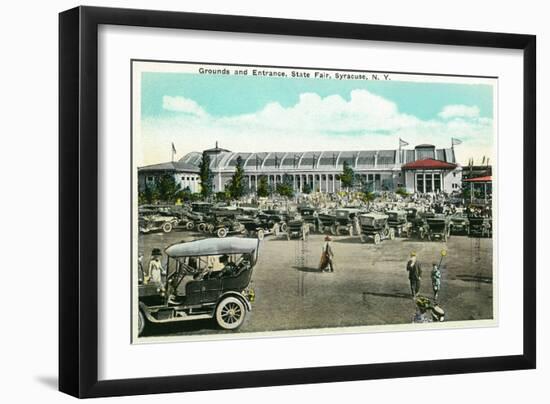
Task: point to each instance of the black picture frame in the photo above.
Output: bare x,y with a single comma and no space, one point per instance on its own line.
78,195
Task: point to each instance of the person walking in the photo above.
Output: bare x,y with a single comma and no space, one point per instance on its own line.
156,270
436,280
327,256
415,274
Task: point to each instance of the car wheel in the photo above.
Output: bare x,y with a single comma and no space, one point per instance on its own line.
283,227
230,313
167,227
222,232
260,234
190,225
210,228
392,234
201,227
141,323
377,239
276,229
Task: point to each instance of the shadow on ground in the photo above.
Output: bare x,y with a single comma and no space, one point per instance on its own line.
474,278
396,295
309,269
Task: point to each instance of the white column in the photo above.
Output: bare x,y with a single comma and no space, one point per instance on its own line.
424,183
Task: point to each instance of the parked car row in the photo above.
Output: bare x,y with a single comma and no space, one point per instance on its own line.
223,221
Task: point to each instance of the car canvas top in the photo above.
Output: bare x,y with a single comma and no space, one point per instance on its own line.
213,246
375,215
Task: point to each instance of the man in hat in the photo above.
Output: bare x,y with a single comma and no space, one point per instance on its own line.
415,274
327,256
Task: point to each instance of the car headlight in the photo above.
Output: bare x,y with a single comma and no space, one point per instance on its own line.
249,294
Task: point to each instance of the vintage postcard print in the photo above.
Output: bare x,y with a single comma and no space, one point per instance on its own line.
275,201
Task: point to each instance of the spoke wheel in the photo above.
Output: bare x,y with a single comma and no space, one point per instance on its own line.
141,323
167,227
222,232
230,313
377,238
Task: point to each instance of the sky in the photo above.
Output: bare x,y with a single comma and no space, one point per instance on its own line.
245,113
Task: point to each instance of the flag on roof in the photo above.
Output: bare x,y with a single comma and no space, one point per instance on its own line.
402,143
455,141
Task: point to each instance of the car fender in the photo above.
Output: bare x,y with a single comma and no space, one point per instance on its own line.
145,310
238,296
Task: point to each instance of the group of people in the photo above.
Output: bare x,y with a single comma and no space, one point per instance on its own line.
415,276
414,269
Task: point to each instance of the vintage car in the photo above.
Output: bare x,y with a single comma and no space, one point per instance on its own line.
222,224
438,227
419,228
375,226
201,207
152,220
192,290
344,221
260,226
327,219
480,227
459,224
277,216
297,228
397,220
310,217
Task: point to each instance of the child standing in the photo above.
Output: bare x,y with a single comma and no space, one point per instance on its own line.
436,280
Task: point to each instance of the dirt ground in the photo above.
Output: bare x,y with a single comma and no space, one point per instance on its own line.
369,286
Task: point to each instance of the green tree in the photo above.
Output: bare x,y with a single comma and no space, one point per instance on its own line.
262,188
206,176
167,188
150,193
286,188
401,191
306,189
184,194
237,185
367,196
347,177
223,196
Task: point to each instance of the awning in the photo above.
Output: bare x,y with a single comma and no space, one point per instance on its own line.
487,178
429,164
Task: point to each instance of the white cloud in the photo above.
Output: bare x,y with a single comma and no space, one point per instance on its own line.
365,121
459,111
182,104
